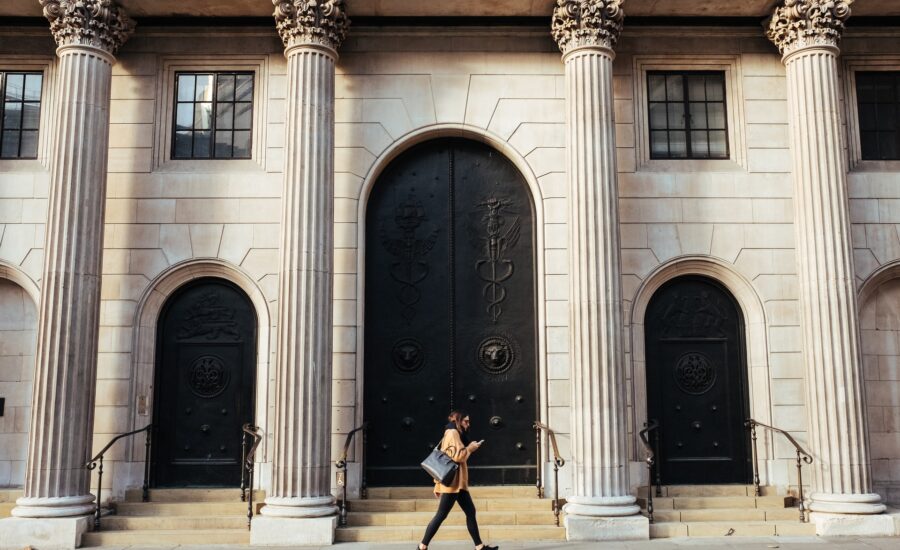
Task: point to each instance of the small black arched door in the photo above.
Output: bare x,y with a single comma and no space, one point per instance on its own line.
697,382
205,376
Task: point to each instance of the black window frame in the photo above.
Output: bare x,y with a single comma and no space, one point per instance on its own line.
891,120
4,79
686,103
212,128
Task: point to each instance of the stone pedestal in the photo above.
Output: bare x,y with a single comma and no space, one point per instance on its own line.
43,533
270,531
808,33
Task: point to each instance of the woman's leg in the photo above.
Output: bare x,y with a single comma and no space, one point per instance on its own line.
465,502
447,501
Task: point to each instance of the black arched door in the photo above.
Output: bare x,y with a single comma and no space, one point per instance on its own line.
450,312
697,382
205,377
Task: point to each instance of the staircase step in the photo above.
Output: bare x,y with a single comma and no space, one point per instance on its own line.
456,517
10,495
192,495
173,523
736,528
449,533
430,505
183,509
492,491
709,491
694,503
727,514
166,537
6,509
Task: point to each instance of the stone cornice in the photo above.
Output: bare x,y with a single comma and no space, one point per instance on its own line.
799,24
98,23
578,23
316,22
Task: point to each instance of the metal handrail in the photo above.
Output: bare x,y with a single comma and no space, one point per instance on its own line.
802,457
248,460
558,462
652,426
341,465
97,463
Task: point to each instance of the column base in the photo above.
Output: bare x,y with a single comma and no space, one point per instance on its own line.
43,533
839,503
281,531
855,525
53,507
582,528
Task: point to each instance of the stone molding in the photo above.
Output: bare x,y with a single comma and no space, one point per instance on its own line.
578,23
311,22
802,24
98,23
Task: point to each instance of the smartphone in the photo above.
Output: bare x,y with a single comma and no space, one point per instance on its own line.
481,442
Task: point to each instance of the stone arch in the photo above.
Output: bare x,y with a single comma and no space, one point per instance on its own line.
757,354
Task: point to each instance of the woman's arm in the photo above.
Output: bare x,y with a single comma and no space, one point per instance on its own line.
453,446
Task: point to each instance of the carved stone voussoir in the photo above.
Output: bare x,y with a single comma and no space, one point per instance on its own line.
99,23
322,22
804,23
579,23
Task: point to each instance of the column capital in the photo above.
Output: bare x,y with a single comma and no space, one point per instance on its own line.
313,22
578,23
97,23
799,24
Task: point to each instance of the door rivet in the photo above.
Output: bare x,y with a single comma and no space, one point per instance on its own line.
519,399
520,446
472,397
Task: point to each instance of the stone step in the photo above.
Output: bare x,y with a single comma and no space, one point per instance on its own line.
709,491
183,509
430,505
456,517
727,514
6,509
695,503
10,495
166,537
172,523
493,491
731,528
449,533
192,495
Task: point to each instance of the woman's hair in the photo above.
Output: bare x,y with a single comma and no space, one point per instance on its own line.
456,416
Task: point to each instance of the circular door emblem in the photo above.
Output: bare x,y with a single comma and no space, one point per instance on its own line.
208,377
408,355
694,373
496,354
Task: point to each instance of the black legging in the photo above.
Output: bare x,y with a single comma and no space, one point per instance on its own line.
447,501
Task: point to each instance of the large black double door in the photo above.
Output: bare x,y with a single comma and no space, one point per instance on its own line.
205,374
697,382
450,312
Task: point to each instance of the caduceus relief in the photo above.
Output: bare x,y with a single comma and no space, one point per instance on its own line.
495,269
409,270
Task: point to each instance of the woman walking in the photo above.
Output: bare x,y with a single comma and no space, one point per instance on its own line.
457,446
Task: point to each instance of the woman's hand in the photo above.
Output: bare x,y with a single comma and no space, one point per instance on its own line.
473,446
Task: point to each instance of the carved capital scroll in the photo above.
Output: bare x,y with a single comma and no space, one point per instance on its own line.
98,23
579,23
801,24
320,22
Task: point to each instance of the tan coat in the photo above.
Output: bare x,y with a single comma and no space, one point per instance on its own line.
453,447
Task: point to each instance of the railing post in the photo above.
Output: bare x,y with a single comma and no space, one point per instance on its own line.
243,466
800,487
99,494
342,481
555,491
363,490
540,463
752,426
250,468
145,488
656,462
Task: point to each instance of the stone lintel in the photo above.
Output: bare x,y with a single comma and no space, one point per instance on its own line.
275,531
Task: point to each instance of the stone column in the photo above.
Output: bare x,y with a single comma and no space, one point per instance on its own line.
300,508
807,32
88,34
602,506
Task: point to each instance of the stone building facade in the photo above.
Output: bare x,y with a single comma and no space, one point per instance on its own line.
781,208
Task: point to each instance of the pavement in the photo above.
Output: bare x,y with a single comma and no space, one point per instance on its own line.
741,543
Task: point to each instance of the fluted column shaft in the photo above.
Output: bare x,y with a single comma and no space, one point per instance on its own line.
600,461
301,483
842,480
56,481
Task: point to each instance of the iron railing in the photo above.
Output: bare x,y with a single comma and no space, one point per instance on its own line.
250,439
802,457
558,463
652,452
341,465
97,463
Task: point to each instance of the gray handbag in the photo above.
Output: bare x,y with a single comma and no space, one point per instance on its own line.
440,466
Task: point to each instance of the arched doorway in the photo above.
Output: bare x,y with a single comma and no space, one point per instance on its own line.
697,382
205,377
450,311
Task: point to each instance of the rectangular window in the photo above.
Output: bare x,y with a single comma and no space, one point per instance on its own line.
213,115
687,115
878,101
20,114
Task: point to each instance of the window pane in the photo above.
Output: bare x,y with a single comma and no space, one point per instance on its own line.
698,115
865,89
12,116
202,116
659,144
242,145
31,116
677,146
884,91
9,148
675,87
887,145
718,144
867,118
242,114
184,116
658,116
29,145
697,88
224,115
204,91
243,89
699,145
716,115
225,90
676,115
186,87
657,85
182,144
886,114
33,87
223,144
15,84
869,143
201,144
715,88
